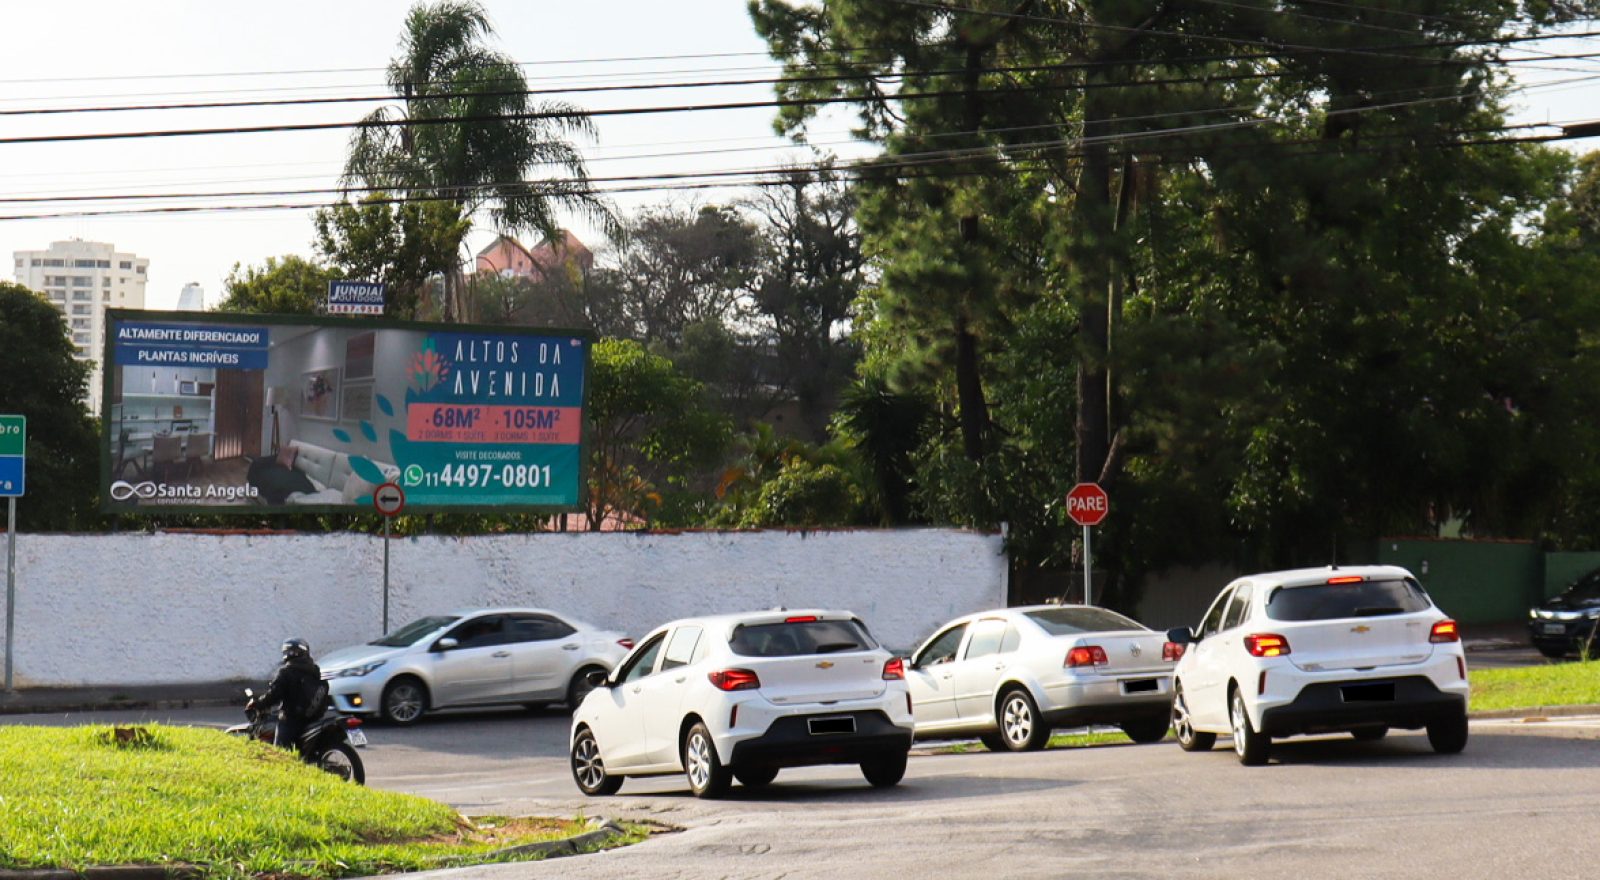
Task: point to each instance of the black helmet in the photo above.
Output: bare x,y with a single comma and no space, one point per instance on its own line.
293,648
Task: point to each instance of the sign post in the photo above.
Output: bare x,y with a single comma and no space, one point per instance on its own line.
1087,505
13,480
389,499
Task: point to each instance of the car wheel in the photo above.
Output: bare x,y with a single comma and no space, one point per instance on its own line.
588,769
707,777
1146,731
580,687
885,771
1021,728
994,742
1554,652
1448,735
1370,734
404,701
1251,747
759,776
1189,739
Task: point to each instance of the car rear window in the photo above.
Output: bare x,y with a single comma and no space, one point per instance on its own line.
1358,599
793,639
1067,621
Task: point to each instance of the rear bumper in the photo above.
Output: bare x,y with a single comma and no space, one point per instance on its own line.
1343,705
1115,713
789,742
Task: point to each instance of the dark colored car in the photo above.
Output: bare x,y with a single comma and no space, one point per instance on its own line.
1562,624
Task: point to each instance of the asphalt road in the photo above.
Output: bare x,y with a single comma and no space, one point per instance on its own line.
1514,804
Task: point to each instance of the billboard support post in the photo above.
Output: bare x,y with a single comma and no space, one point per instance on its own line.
11,584
386,574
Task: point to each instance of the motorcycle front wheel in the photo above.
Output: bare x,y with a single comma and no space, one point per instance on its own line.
343,762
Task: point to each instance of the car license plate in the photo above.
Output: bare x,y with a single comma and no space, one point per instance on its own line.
1555,629
357,738
1140,686
834,724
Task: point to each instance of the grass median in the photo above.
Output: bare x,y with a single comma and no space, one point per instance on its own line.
1536,687
230,807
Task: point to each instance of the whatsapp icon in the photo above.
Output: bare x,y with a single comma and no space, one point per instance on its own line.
413,475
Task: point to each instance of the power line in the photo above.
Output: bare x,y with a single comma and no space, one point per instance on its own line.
562,186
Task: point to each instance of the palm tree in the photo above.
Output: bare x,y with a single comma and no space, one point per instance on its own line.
424,147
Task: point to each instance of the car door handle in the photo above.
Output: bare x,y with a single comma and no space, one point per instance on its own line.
569,647
999,666
681,679
501,654
635,688
947,676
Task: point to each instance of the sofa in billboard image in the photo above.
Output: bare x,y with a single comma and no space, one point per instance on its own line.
304,473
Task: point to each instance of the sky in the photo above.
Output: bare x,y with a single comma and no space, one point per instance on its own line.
76,53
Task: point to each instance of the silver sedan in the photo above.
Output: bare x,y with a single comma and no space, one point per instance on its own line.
481,657
1013,675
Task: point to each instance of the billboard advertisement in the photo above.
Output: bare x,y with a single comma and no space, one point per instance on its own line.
214,413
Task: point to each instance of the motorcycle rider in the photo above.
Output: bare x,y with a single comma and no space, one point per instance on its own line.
298,692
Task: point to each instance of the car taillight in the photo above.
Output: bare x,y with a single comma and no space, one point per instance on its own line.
734,679
627,644
894,669
352,723
1444,631
1087,655
1266,645
1172,652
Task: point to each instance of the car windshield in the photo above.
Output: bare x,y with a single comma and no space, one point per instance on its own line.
1068,621
794,638
1587,589
1374,598
408,635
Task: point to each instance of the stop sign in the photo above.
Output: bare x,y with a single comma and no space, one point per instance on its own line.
1087,504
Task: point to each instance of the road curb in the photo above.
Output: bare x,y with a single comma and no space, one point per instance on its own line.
105,872
7,708
605,830
1536,712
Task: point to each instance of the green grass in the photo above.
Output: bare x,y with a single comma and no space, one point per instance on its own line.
1533,687
71,798
1059,741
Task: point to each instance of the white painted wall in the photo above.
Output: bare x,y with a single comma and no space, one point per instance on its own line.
165,608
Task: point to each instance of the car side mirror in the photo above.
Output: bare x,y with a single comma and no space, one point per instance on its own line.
446,644
598,678
1180,635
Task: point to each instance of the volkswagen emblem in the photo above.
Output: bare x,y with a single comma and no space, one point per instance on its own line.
1135,650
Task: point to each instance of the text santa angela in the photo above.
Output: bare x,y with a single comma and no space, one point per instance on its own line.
192,345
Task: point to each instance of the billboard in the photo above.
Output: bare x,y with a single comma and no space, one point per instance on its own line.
211,413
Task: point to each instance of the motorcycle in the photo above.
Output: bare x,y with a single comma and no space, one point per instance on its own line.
328,743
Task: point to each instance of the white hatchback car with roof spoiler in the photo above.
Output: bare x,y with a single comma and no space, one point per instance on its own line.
741,696
1011,676
1357,649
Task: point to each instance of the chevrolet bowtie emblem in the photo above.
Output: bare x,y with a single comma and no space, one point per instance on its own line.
1361,629
826,664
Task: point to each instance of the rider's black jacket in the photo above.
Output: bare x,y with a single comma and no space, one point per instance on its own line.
293,689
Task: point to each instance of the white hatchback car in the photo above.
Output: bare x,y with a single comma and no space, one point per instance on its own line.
1012,676
1356,649
480,657
741,696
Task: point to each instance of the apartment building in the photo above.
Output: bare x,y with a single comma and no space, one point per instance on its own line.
82,279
